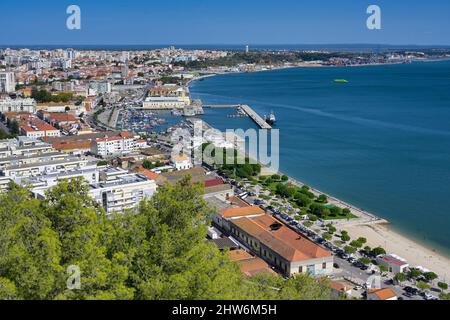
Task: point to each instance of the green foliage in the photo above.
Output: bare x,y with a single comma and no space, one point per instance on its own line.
377,251
276,177
4,135
29,248
430,276
414,273
345,237
444,296
14,128
356,244
327,236
423,285
443,285
331,229
364,260
349,249
45,96
156,252
383,268
150,165
400,277
362,240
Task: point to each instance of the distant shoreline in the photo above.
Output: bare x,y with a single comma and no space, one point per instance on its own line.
204,76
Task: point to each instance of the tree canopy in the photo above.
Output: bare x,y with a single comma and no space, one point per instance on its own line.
155,252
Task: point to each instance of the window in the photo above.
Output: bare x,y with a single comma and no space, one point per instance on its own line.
300,269
324,265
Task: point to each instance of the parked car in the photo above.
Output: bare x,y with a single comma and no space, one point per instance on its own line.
428,296
407,294
335,265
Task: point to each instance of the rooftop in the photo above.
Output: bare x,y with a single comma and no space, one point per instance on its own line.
241,212
383,294
283,240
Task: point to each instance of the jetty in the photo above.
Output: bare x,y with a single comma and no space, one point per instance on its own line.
256,117
248,110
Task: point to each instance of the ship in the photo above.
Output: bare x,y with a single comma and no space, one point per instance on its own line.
341,81
270,118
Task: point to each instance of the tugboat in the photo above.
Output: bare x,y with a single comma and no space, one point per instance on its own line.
270,118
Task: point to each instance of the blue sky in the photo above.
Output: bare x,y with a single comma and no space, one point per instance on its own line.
148,22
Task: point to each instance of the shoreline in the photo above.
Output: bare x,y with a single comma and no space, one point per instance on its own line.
379,231
306,65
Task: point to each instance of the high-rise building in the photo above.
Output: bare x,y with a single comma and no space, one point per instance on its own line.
125,71
7,82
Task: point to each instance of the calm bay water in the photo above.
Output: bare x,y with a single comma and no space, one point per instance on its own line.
380,142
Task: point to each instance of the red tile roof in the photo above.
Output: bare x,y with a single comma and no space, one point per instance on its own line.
241,212
383,294
213,182
126,134
286,242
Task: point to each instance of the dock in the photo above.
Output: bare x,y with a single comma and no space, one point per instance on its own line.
256,117
248,110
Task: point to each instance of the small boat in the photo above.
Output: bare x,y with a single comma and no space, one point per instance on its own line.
340,81
270,118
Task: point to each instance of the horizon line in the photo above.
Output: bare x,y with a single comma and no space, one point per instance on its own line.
232,44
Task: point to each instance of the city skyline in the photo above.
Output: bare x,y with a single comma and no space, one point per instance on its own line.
183,22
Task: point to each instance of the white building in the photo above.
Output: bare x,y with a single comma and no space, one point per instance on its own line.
15,160
393,263
161,103
113,188
45,167
115,146
39,129
4,182
7,82
18,105
23,146
181,162
100,86
123,192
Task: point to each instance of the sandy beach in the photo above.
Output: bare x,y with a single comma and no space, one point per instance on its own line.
416,254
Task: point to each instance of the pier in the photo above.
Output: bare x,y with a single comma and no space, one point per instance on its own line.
248,110
256,117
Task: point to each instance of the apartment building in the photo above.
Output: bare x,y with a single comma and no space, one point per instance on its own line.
45,167
4,182
7,82
23,146
111,146
40,183
17,105
37,128
17,160
121,191
113,188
